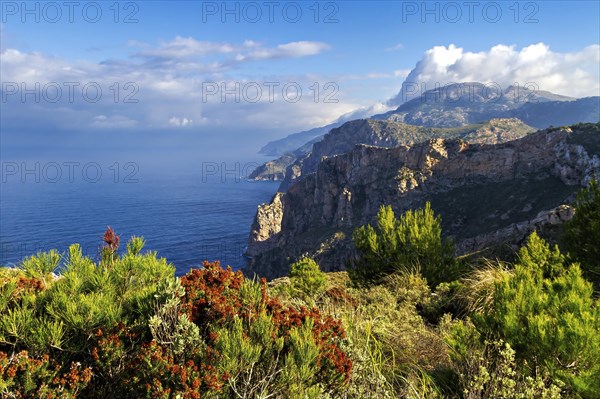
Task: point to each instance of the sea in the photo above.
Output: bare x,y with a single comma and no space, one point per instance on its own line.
186,217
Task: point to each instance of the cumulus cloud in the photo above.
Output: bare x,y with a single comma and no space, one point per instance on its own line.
573,74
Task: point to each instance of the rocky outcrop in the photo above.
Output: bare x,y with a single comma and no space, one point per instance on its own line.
480,190
266,226
273,170
391,134
457,105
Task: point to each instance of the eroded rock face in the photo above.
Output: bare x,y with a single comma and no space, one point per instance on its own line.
381,133
484,193
266,226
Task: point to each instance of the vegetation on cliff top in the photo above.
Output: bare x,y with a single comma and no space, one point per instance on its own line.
419,326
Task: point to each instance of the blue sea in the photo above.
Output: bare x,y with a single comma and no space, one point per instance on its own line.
186,217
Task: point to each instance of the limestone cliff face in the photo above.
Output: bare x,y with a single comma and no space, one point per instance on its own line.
478,189
388,133
266,226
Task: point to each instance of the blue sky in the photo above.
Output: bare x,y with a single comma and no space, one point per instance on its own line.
171,50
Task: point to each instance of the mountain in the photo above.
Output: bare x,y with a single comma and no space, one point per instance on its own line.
388,133
559,113
458,105
412,87
485,194
300,143
291,143
463,103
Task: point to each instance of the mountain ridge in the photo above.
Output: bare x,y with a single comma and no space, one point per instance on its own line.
512,183
455,105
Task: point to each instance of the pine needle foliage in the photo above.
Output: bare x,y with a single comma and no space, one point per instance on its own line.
582,233
411,242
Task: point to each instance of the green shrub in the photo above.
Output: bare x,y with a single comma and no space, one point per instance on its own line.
412,242
127,327
546,312
307,278
488,369
22,376
582,233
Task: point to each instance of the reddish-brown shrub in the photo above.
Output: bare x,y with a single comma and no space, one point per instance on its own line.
213,297
27,377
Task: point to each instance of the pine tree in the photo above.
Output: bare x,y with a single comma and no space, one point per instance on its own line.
546,311
582,233
412,242
307,278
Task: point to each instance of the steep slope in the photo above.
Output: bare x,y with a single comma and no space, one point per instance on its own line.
391,134
484,193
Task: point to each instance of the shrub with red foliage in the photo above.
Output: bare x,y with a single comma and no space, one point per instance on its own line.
340,295
162,376
30,285
125,362
213,297
212,294
111,239
27,377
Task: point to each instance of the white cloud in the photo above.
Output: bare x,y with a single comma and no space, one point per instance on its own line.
180,122
188,47
396,47
113,121
365,112
287,50
181,47
574,74
166,84
401,73
301,49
